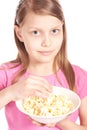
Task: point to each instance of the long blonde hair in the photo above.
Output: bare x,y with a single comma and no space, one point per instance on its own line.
50,7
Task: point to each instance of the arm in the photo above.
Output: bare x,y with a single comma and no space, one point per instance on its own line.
31,85
5,96
69,125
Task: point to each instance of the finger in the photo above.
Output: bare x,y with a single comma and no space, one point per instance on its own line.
43,94
50,125
41,82
37,123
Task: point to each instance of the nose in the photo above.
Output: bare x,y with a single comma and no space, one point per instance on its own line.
46,41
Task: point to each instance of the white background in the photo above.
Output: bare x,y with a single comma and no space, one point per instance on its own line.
76,21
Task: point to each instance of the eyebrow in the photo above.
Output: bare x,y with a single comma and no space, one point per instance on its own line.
38,28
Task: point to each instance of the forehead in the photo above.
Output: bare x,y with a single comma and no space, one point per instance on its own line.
36,20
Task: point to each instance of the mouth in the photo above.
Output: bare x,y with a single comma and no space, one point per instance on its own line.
45,53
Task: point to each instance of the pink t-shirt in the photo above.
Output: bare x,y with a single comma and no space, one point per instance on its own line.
19,121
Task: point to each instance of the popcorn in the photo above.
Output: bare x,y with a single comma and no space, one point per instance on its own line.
54,105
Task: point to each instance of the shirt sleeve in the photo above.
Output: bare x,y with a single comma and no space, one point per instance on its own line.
81,81
3,79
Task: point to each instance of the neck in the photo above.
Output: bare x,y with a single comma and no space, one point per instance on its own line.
41,69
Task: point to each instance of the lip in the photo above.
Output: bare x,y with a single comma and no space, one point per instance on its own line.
46,53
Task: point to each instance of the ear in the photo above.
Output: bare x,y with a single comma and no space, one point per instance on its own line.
18,32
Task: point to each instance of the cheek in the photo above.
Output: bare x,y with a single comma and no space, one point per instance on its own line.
31,47
58,40
58,43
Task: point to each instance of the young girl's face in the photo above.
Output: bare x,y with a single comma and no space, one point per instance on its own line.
42,36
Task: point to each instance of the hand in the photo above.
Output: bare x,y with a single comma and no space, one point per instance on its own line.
31,85
63,122
41,124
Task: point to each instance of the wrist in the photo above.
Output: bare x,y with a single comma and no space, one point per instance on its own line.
5,96
11,93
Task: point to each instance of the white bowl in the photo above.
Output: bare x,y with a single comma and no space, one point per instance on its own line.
72,96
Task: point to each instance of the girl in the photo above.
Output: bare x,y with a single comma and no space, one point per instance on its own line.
40,36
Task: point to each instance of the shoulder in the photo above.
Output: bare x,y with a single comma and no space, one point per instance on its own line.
10,68
78,69
80,80
80,73
7,73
